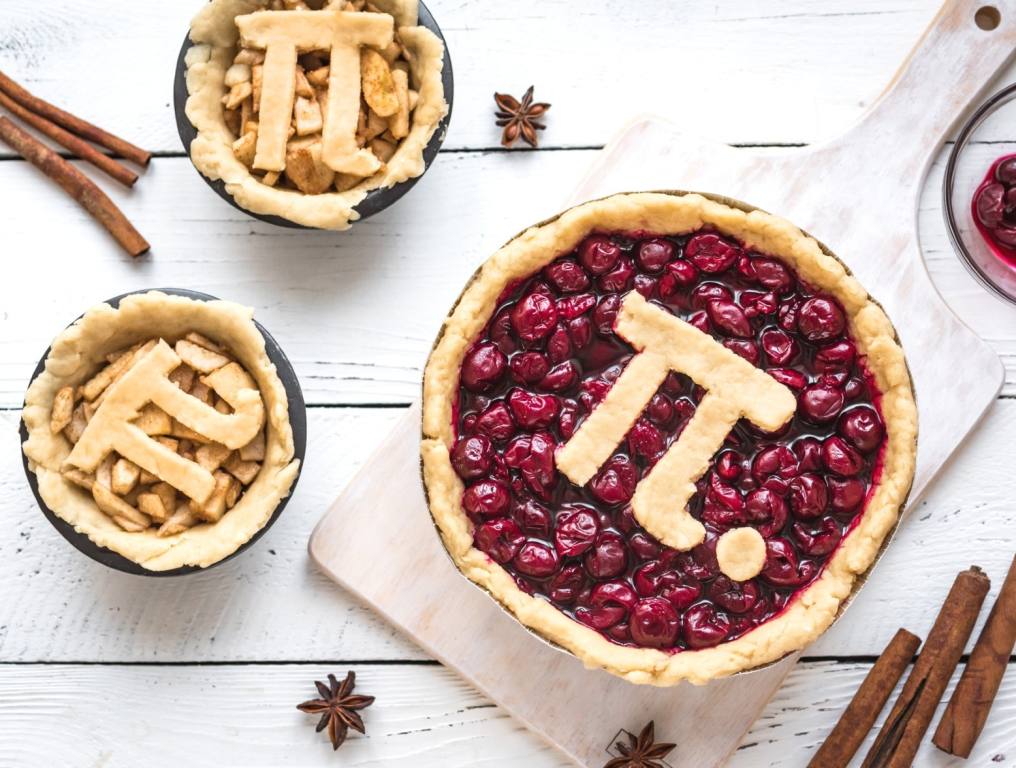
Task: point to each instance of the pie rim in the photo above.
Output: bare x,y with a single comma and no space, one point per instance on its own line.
74,356
214,34
813,608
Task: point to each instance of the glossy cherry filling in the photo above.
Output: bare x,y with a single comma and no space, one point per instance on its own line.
994,209
550,355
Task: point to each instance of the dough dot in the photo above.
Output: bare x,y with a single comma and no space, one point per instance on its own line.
741,553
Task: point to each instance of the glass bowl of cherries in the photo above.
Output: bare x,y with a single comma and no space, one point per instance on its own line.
979,194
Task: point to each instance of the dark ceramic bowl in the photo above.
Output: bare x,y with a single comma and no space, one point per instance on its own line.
297,419
377,199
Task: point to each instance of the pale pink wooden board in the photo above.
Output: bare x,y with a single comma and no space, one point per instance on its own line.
858,194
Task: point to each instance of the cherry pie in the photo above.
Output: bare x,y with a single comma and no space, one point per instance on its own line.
667,435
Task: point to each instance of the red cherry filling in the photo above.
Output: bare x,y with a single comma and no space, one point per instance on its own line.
994,209
550,355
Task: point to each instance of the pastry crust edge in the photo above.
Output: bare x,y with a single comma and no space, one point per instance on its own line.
813,609
74,356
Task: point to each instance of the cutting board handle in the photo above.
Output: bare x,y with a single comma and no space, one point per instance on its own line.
949,68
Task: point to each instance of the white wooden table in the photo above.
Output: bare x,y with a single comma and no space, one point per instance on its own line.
98,668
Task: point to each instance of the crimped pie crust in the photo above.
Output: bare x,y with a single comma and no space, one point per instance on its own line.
215,35
75,355
815,607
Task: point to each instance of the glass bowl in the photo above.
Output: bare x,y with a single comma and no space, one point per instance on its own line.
977,147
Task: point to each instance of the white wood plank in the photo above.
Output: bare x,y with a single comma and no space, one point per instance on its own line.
319,292
740,71
122,717
271,604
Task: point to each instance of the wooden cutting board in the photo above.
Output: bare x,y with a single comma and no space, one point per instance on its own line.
858,194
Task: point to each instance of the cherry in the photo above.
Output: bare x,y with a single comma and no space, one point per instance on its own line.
711,253
821,404
654,254
645,440
838,356
728,465
561,377
756,303
683,594
683,273
991,205
768,510
779,347
619,278
559,345
500,539
845,494
533,517
660,410
534,317
568,419
536,559
472,457
862,427
571,307
789,377
567,276
821,319
608,557
580,331
645,285
532,411
654,623
644,546
598,254
483,367
808,496
817,543
840,457
708,292
567,584
1006,171
701,321
782,568
787,314
809,454
533,456
772,274
606,313
774,460
746,269
575,531
734,596
608,604
529,367
615,482
496,422
488,498
704,626
729,318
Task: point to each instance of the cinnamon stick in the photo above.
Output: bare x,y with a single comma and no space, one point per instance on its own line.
968,708
76,184
79,147
900,737
860,715
76,125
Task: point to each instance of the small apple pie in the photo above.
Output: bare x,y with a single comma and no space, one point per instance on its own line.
302,108
160,429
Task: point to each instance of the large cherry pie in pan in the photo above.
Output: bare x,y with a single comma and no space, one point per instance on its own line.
667,434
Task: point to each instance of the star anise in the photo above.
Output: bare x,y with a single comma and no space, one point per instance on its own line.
641,752
338,708
519,118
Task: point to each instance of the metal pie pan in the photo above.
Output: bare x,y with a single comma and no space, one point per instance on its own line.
297,420
377,199
859,580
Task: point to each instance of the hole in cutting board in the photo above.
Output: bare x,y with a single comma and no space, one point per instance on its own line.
987,17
